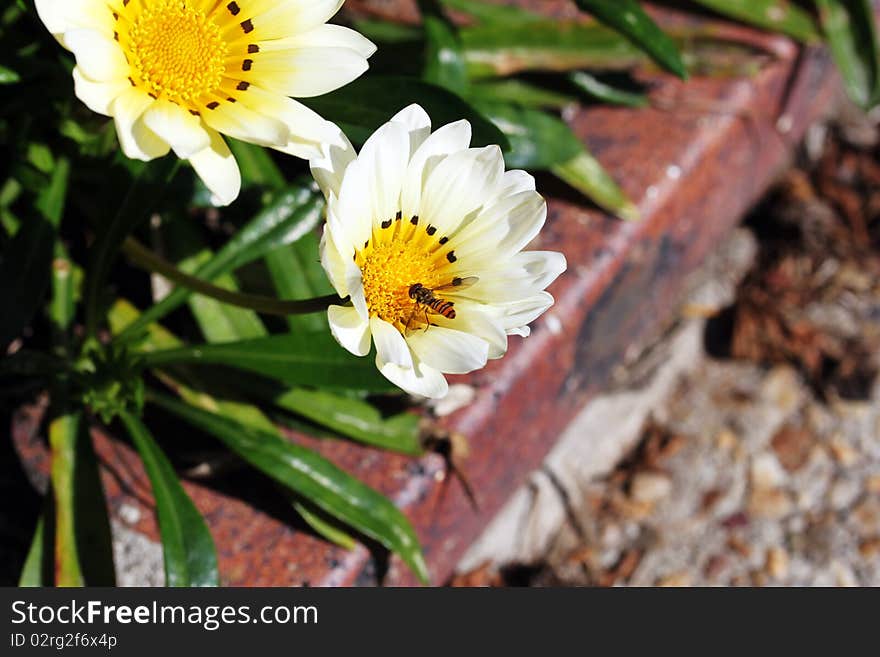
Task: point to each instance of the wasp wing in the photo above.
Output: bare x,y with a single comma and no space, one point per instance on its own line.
457,284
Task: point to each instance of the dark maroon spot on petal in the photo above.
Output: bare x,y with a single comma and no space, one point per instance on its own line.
213,105
451,256
386,223
243,86
246,64
233,8
252,48
443,240
430,229
415,220
247,26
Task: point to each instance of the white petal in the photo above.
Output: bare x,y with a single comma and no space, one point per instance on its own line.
349,329
391,346
307,72
350,217
450,138
274,19
241,122
448,350
524,275
136,139
517,314
505,227
329,168
474,318
417,123
59,16
384,157
355,284
418,380
514,182
98,96
333,263
183,131
459,185
333,36
218,170
99,58
307,130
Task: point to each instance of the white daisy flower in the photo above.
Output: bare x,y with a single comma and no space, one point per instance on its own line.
425,235
174,74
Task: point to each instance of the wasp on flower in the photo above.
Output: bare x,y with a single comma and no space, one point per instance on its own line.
425,235
176,74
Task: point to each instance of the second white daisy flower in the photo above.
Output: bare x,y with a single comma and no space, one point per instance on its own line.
425,235
175,74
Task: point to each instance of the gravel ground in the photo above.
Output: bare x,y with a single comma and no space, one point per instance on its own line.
760,466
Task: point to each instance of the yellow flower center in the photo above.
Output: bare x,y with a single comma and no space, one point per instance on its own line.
175,52
398,256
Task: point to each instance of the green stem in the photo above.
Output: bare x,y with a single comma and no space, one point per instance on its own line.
143,257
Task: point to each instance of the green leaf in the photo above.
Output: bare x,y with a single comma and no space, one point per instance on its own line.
537,140
777,15
444,63
852,35
188,549
293,213
361,107
297,273
628,18
500,50
520,93
312,476
489,13
583,172
605,93
386,32
314,359
356,419
25,269
325,527
83,548
8,76
37,569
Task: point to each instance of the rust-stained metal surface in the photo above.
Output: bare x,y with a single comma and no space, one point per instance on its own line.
693,163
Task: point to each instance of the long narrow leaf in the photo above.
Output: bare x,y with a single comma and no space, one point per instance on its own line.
585,173
297,359
312,476
777,15
628,18
852,34
188,549
83,552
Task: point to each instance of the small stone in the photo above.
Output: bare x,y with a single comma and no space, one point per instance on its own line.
870,548
782,388
843,493
772,503
792,446
866,517
766,472
726,439
872,484
675,579
844,575
776,563
843,452
650,487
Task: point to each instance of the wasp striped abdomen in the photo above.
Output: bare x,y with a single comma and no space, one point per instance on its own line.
424,296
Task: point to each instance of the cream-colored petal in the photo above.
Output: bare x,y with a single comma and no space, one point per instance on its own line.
218,170
352,221
420,379
390,344
450,138
503,228
516,277
241,122
137,141
417,123
384,157
333,36
307,72
475,318
333,263
60,16
98,57
184,132
329,167
98,96
457,187
349,329
517,314
449,350
278,19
